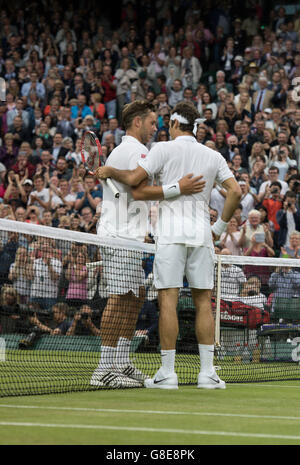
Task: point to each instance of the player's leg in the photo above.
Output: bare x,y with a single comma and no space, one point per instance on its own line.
106,375
131,307
200,279
169,267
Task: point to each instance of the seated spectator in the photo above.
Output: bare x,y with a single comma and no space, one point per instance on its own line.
229,239
9,151
43,132
85,322
89,220
251,292
65,125
285,283
292,250
283,161
59,324
47,219
232,278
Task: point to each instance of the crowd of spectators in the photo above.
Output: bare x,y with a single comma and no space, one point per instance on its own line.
71,69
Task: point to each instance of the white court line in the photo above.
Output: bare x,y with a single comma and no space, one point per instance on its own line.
150,412
152,430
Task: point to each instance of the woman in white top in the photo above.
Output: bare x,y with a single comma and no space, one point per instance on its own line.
230,238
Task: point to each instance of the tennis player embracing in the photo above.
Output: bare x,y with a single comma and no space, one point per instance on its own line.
184,237
127,218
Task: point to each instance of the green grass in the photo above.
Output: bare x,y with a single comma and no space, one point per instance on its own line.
253,413
256,414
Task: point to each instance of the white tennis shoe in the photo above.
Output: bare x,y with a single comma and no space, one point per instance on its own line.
131,372
113,379
210,381
162,381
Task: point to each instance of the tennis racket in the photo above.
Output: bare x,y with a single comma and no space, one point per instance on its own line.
91,154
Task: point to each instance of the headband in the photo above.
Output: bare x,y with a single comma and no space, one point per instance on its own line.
181,119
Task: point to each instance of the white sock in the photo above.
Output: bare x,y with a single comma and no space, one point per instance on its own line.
107,358
123,351
206,358
168,360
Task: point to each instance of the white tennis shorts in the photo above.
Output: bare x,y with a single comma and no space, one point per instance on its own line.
122,270
174,261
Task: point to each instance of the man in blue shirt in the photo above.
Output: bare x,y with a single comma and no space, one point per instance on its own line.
91,196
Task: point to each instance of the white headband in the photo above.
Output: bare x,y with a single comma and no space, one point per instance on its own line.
196,122
180,119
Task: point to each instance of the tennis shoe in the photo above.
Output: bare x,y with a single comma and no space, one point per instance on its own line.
132,372
210,381
113,379
162,381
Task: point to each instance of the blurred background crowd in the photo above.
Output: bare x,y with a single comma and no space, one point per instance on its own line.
70,68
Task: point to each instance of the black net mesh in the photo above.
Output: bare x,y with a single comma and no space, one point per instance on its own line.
67,299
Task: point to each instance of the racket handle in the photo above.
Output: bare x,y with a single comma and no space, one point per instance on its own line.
113,188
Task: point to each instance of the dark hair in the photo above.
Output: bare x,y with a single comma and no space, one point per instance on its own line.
290,194
273,168
275,184
188,111
137,108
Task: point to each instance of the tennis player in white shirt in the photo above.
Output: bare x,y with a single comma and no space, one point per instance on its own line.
125,218
184,237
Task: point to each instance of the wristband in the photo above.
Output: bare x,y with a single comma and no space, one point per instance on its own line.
171,190
219,227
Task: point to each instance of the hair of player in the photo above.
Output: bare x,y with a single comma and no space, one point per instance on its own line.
140,108
188,111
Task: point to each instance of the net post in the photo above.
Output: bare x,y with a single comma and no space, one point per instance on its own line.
218,303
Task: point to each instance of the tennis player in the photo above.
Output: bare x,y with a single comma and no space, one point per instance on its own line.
184,237
126,218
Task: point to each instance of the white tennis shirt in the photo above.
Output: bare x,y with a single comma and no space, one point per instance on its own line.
185,219
124,217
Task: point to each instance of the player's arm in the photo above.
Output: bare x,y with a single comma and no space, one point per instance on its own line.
186,186
232,202
130,177
138,178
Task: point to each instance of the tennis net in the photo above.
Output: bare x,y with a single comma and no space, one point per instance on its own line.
61,308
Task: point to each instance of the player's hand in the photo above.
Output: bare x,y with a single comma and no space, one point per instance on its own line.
191,185
103,172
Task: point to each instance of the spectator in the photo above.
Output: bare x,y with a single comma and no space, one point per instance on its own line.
76,275
109,86
232,278
91,196
272,202
288,219
284,283
40,196
18,110
20,273
113,128
45,278
33,86
230,239
59,325
253,226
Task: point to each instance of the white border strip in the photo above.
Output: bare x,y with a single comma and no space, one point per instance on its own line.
151,430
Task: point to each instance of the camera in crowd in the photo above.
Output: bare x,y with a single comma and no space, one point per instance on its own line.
30,340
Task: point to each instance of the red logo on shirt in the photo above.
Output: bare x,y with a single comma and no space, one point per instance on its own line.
143,155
